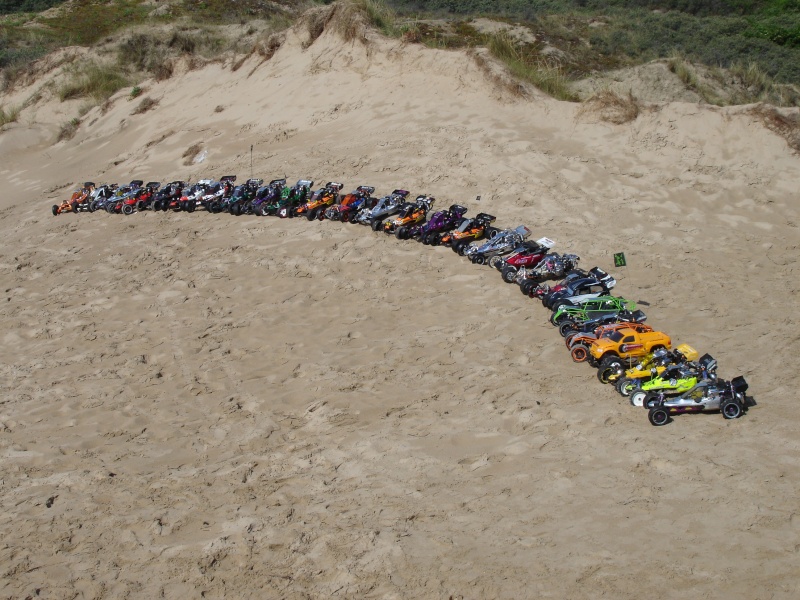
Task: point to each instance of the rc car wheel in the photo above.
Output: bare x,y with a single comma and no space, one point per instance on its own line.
480,260
626,386
611,361
609,371
637,398
400,233
731,409
658,416
579,353
495,261
376,224
526,287
74,207
566,328
311,214
55,209
140,205
462,247
651,400
558,320
509,274
127,209
559,304
190,206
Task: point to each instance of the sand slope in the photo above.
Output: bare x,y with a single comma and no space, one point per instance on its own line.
198,405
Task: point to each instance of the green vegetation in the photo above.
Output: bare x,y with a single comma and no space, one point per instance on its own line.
68,129
8,116
18,6
95,81
528,65
718,33
756,41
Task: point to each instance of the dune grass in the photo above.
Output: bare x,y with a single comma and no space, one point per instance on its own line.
10,115
68,130
611,107
92,80
527,65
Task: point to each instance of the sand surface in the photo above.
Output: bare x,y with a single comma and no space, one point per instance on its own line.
209,406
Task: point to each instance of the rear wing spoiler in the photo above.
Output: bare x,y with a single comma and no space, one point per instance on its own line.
153,185
546,242
254,182
458,209
402,193
522,231
366,189
638,317
739,384
708,362
306,183
89,184
230,178
137,182
278,182
485,217
334,186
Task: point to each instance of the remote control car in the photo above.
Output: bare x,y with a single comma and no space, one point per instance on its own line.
527,255
504,242
622,349
472,229
673,380
320,201
593,284
385,207
218,194
78,198
580,342
708,395
169,197
628,381
552,266
441,221
412,214
351,203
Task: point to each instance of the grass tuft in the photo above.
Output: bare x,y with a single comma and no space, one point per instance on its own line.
145,105
190,153
69,129
9,116
530,67
612,107
92,80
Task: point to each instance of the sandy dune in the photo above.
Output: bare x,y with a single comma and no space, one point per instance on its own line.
210,406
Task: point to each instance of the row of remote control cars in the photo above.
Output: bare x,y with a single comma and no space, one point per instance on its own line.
606,331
